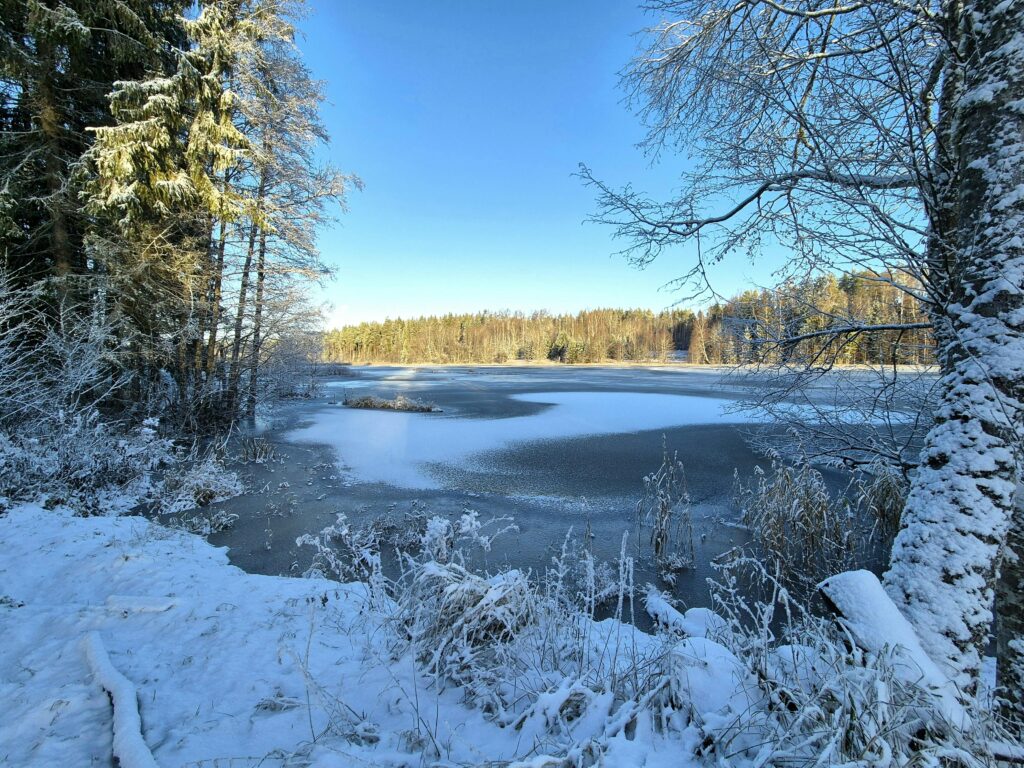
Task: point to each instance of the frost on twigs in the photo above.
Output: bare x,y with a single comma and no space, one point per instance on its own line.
199,484
756,679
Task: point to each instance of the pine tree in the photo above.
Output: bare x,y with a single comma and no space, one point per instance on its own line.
58,61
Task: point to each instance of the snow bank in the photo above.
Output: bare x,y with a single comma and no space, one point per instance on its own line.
208,665
876,624
226,667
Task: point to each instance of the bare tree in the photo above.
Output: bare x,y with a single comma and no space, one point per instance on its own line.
882,136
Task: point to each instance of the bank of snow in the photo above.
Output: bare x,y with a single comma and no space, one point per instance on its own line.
123,638
227,666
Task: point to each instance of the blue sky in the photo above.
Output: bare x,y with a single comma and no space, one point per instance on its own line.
466,121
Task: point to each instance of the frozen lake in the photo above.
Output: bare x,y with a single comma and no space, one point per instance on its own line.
552,447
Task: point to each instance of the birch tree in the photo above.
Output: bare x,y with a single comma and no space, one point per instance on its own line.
870,136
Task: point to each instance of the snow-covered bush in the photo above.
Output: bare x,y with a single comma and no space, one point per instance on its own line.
79,461
199,482
346,553
58,443
825,698
757,680
459,622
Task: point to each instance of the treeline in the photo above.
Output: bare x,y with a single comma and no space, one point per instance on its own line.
754,326
161,192
499,337
786,324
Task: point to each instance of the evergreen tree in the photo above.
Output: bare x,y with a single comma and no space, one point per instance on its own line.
58,61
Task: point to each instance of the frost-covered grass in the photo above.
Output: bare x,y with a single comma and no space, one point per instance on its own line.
441,666
76,429
810,533
81,461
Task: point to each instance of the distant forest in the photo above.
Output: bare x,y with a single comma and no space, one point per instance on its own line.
736,331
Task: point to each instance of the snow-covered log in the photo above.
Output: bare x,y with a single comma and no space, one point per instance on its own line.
130,748
876,624
696,622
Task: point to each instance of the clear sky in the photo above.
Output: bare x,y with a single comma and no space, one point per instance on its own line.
466,121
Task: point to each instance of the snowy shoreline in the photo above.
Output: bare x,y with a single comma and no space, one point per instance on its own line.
232,668
228,665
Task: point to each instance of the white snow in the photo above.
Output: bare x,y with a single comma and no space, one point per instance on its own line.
399,448
695,622
129,747
125,638
876,624
227,668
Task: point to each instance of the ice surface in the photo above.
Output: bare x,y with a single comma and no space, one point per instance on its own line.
397,448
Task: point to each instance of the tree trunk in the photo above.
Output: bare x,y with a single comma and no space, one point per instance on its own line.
959,512
236,343
1010,623
50,124
257,339
216,283
243,293
201,307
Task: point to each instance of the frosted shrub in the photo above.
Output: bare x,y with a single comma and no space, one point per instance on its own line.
459,621
198,483
442,538
438,539
205,524
796,522
348,553
79,461
55,375
758,681
665,509
822,699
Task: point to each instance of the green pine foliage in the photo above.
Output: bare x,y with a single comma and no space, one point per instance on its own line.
159,177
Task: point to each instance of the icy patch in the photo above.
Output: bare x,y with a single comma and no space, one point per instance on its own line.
397,448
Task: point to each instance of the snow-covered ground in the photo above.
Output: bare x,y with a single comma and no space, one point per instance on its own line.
398,448
230,668
123,639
